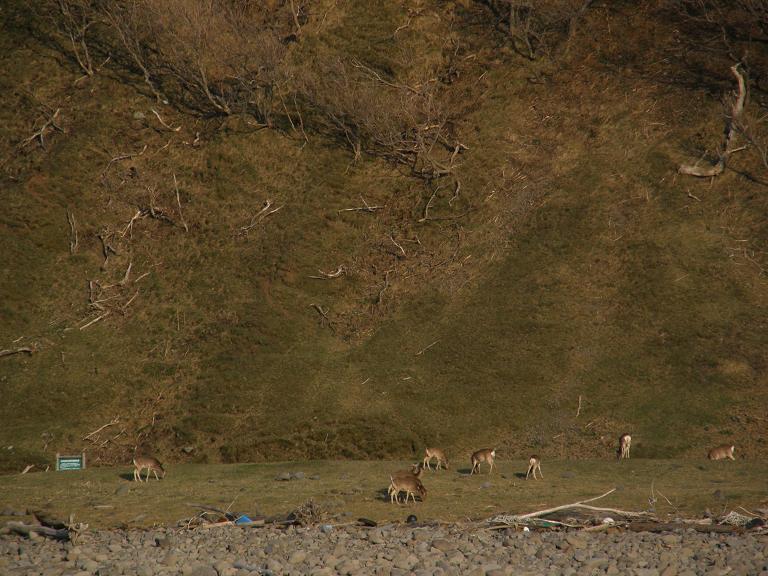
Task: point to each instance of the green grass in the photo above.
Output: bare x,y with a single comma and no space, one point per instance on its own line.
358,489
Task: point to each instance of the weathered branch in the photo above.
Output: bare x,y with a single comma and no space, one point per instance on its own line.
511,519
259,217
73,232
26,529
340,271
12,351
123,157
50,122
165,125
178,202
366,208
420,352
380,297
731,127
100,428
97,319
426,208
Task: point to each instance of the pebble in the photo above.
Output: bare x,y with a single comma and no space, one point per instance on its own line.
391,549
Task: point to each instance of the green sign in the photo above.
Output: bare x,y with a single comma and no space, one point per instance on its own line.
70,462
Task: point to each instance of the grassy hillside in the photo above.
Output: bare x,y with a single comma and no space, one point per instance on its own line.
571,268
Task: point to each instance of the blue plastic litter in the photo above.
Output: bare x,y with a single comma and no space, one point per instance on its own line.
243,520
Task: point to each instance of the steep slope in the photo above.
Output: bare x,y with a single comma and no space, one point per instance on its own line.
572,288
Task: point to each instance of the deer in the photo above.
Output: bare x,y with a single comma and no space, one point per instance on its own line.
625,441
415,471
151,464
409,484
534,463
724,452
484,455
430,453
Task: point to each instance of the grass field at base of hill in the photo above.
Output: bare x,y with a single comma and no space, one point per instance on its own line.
108,497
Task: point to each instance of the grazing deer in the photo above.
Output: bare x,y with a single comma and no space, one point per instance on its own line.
625,441
408,484
484,455
724,452
430,453
534,463
416,471
151,464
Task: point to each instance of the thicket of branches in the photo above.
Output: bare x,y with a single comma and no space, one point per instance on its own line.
225,57
714,36
535,27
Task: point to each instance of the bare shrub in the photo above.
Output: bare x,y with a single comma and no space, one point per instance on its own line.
216,57
77,16
406,124
536,26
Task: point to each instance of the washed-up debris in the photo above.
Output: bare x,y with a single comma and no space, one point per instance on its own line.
212,517
308,513
48,527
630,520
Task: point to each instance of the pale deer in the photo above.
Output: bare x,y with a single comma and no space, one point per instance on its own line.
485,455
724,452
437,453
534,463
625,442
151,464
408,484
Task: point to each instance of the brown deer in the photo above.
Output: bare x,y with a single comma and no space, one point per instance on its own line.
151,464
534,463
408,484
485,455
437,453
724,452
625,442
416,471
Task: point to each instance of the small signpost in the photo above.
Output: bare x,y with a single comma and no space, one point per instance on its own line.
76,462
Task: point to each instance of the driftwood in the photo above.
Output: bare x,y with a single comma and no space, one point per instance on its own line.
670,526
731,127
340,271
521,518
10,352
27,530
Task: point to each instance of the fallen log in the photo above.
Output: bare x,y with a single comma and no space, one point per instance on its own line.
27,529
670,526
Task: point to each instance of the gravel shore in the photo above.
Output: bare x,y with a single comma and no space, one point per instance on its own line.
395,549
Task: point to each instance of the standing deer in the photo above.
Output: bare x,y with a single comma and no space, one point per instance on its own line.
484,455
408,484
625,441
724,452
151,464
430,453
534,463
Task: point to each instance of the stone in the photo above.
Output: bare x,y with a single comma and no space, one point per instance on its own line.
122,490
443,545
